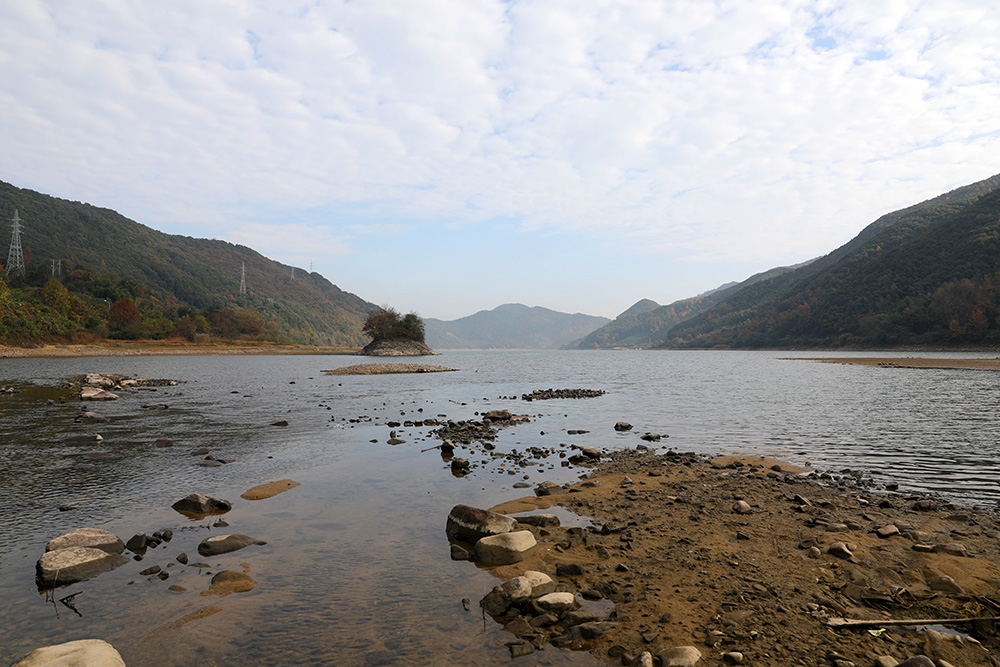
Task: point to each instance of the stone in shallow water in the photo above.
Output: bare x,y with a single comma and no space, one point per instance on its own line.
94,538
470,524
72,564
223,544
200,504
83,652
505,549
229,581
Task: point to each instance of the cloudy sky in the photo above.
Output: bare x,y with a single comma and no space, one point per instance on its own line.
449,156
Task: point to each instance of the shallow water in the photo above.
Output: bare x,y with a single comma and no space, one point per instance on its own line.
356,569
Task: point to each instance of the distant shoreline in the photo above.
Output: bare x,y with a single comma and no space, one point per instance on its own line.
160,348
910,362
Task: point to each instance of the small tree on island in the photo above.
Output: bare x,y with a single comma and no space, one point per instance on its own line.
385,324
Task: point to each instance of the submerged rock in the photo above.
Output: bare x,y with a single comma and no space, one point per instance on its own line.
83,652
229,581
200,504
96,394
223,544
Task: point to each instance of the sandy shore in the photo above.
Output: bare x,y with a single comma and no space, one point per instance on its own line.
687,565
992,364
165,348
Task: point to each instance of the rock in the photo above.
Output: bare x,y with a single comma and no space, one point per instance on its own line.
840,550
96,394
229,581
556,603
733,658
163,442
200,504
460,465
742,507
887,531
497,416
541,583
680,656
886,661
94,538
459,553
592,453
569,570
72,564
539,520
263,491
521,648
280,422
471,524
946,584
952,549
138,543
80,653
505,549
84,439
651,437
644,659
154,406
150,571
925,505
90,418
182,558
623,426
916,661
511,592
223,544
595,629
548,488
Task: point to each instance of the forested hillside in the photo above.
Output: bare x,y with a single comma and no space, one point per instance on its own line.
925,275
106,257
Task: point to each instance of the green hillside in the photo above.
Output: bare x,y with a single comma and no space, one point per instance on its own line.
924,275
174,272
646,323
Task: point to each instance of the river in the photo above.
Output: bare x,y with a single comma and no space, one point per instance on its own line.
356,569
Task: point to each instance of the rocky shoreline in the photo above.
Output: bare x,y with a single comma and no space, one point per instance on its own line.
749,561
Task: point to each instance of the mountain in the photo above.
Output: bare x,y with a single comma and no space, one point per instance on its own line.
646,323
199,273
511,326
926,275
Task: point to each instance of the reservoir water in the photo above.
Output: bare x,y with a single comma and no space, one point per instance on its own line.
356,568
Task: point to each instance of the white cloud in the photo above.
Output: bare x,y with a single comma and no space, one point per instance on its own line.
706,132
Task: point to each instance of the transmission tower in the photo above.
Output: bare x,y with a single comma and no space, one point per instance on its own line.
243,279
57,268
15,258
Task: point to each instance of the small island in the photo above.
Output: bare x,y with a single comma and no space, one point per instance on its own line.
395,336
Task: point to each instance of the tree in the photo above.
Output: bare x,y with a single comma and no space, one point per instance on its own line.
124,320
385,324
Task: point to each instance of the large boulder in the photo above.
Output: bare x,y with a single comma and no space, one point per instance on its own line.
514,591
505,549
72,564
94,538
471,524
200,504
81,653
223,544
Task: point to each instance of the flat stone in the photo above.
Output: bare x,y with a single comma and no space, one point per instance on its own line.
539,520
80,653
72,564
96,394
94,538
262,491
505,549
471,524
557,602
680,656
840,550
945,584
952,549
887,531
223,544
229,581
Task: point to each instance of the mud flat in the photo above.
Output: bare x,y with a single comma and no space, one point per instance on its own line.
385,369
911,362
752,561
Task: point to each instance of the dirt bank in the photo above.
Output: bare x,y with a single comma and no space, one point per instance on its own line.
164,348
687,564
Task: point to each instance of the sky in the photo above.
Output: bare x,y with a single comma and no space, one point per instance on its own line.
449,156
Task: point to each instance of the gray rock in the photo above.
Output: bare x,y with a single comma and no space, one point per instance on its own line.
223,544
623,426
889,530
917,661
644,659
556,603
471,524
952,549
94,538
925,505
505,549
742,507
96,394
138,543
72,564
886,661
459,553
680,656
198,503
595,629
80,653
548,488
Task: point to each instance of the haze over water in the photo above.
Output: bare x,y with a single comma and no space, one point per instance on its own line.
356,569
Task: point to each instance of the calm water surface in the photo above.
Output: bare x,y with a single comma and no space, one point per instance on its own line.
356,569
